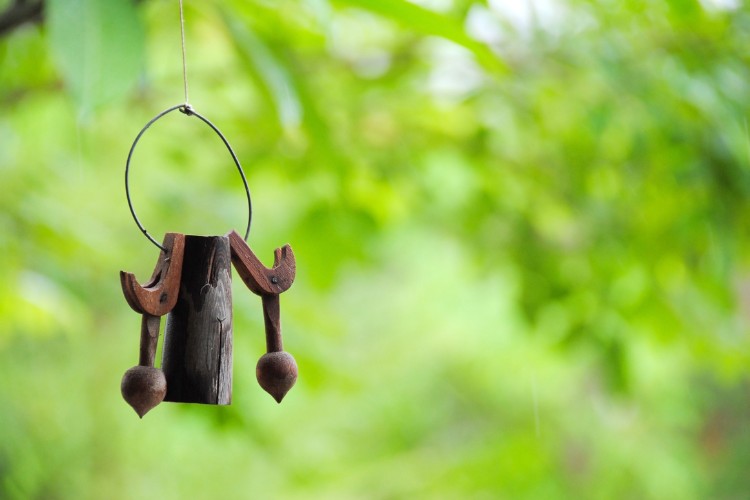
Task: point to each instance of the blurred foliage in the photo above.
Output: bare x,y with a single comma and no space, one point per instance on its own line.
521,229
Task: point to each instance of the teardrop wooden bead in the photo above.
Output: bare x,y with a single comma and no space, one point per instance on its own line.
276,373
143,387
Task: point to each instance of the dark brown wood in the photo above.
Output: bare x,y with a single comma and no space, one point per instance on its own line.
276,370
149,339
258,278
276,373
159,295
143,387
197,357
272,320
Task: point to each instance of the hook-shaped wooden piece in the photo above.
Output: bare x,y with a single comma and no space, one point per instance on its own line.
258,278
159,295
276,370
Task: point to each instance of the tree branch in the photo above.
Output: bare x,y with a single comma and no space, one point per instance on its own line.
20,12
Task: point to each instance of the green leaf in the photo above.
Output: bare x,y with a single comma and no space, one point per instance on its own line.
284,87
98,47
427,22
270,72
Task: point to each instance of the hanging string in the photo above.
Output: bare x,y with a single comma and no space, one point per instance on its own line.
184,62
189,111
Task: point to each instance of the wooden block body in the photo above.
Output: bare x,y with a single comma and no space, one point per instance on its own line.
197,356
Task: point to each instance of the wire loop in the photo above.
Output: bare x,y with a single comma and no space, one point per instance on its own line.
187,110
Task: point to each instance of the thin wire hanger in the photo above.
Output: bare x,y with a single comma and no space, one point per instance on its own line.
187,110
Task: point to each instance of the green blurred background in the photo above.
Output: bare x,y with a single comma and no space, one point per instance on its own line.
522,232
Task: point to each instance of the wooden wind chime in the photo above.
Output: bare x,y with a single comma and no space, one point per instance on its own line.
192,286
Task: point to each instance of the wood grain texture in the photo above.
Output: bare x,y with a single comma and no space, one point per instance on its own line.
159,295
276,370
272,321
149,339
257,277
197,357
